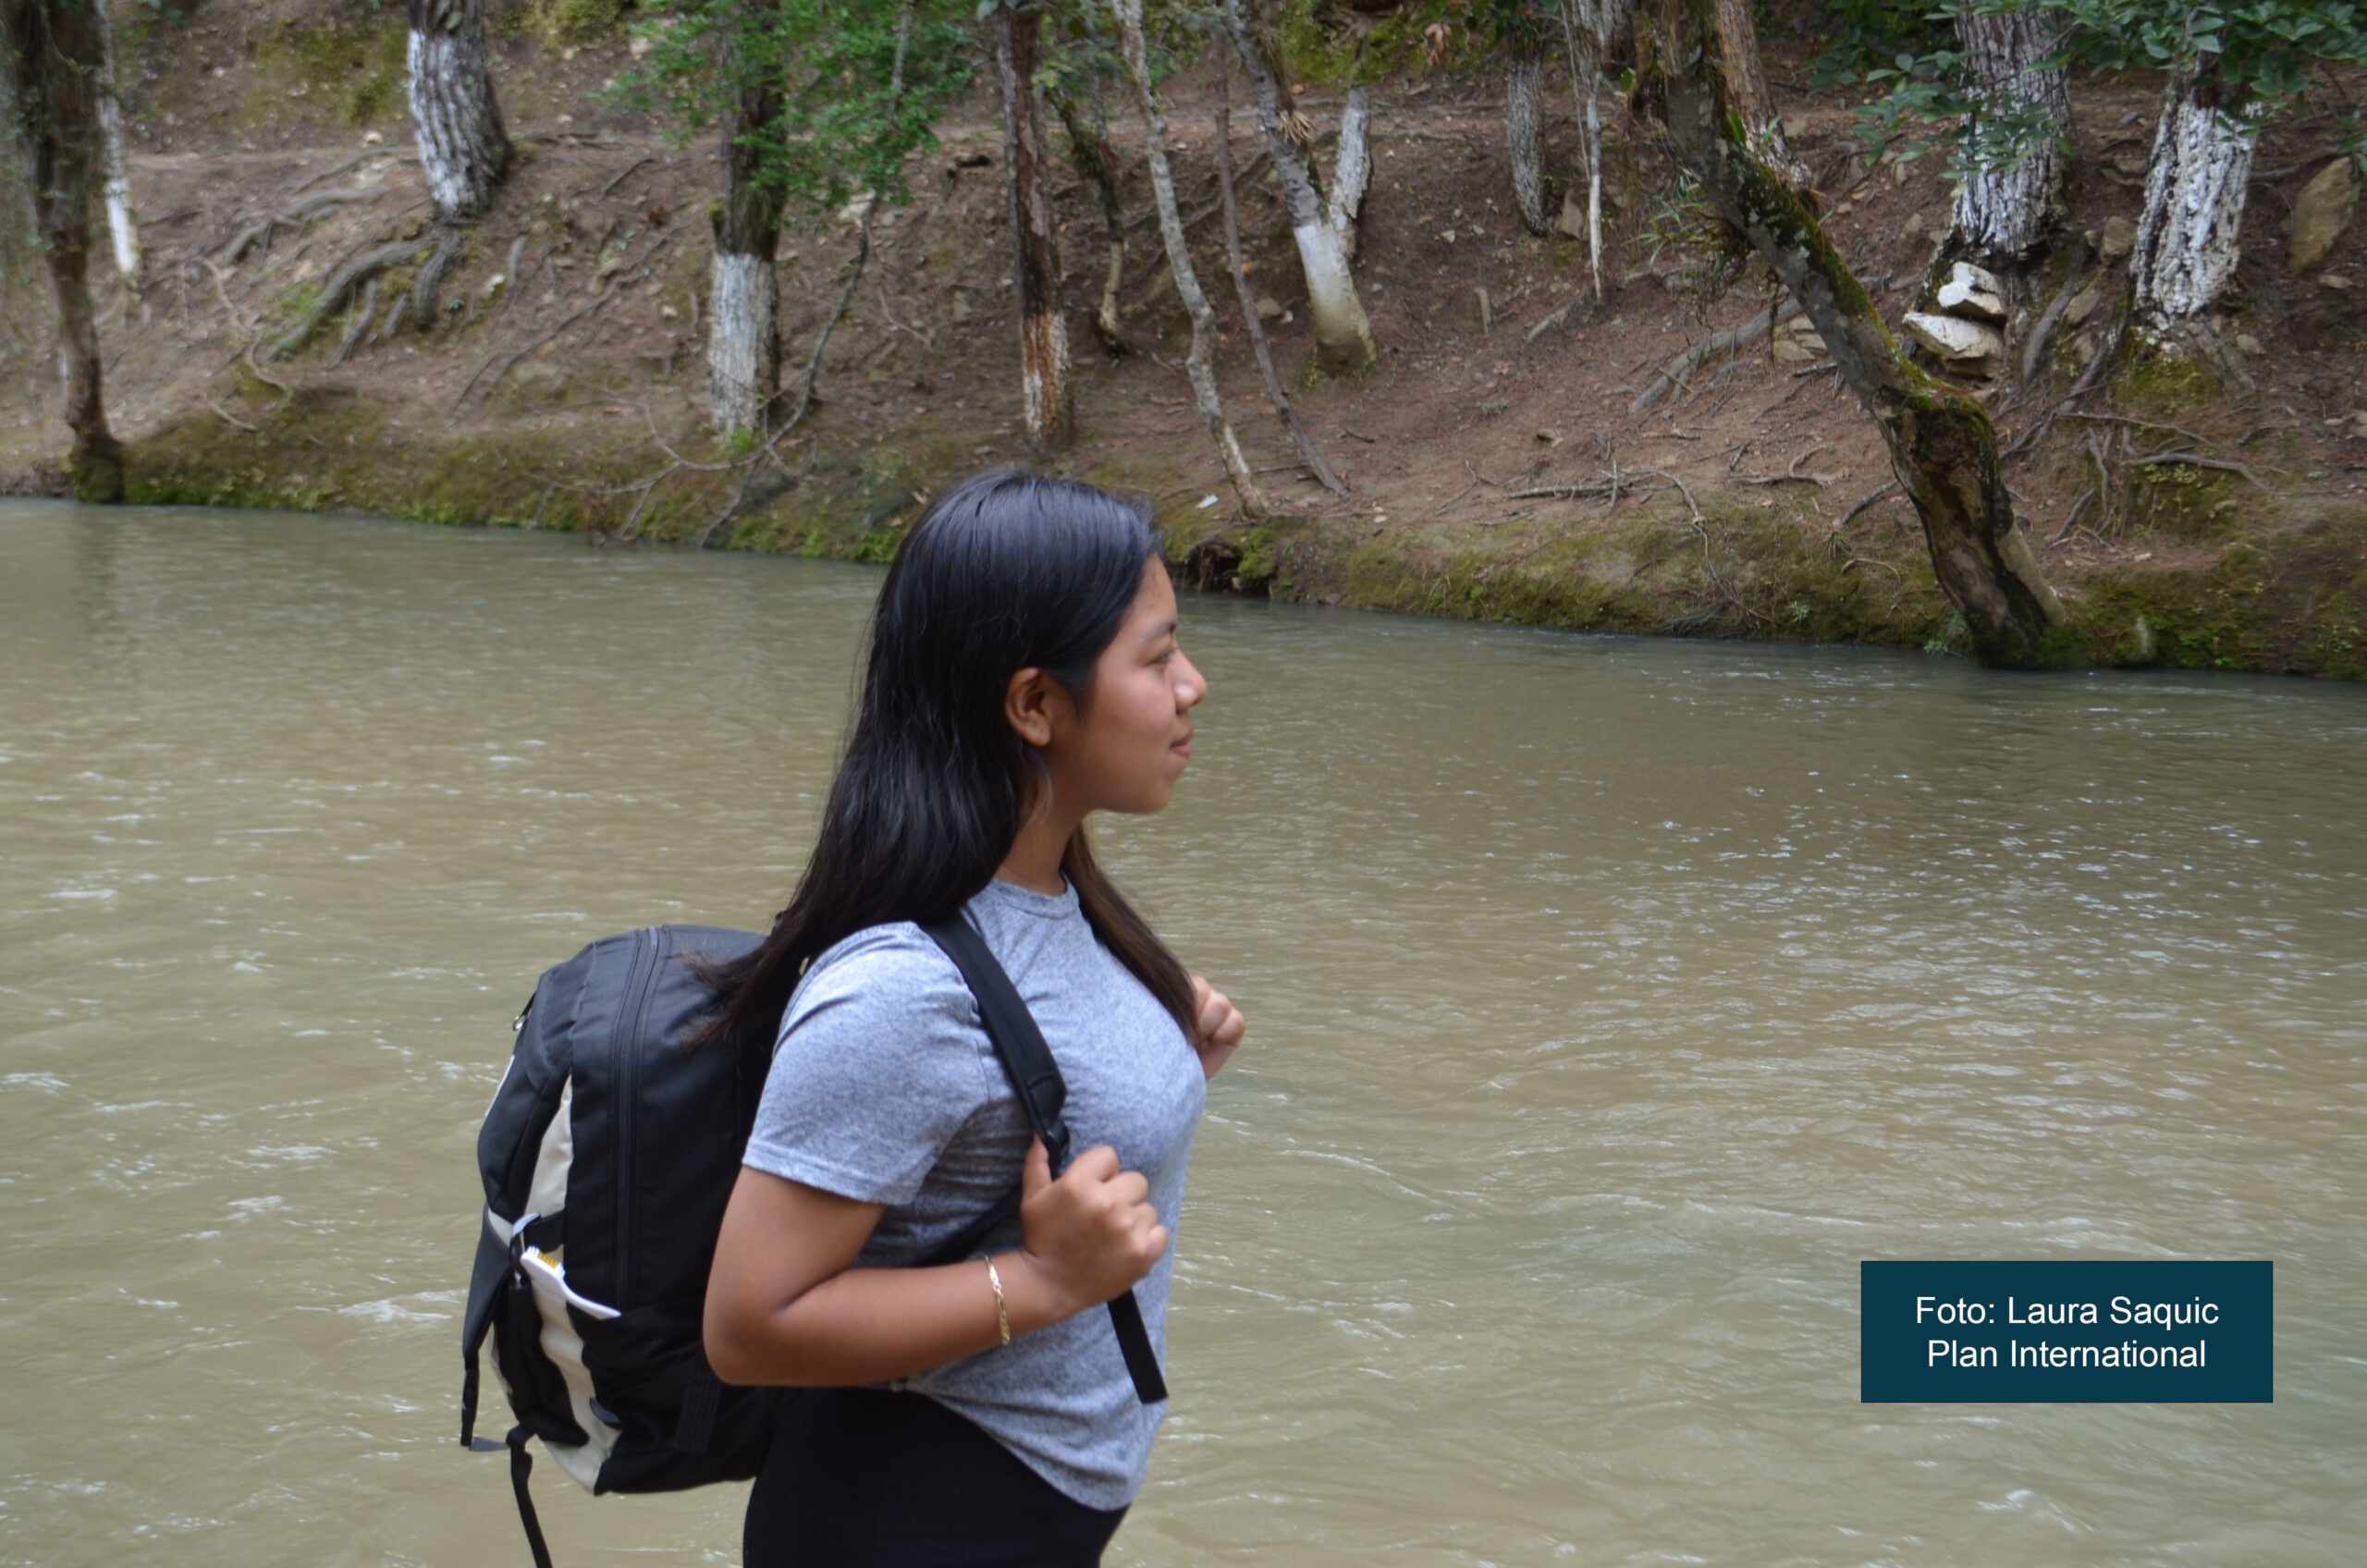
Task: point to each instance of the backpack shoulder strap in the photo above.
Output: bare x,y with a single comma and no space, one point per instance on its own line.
1043,1094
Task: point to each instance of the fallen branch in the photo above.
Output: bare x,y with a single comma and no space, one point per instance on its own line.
625,274
619,177
2196,460
1868,499
462,404
354,161
1679,369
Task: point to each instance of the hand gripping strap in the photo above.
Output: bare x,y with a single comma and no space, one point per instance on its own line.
1042,1094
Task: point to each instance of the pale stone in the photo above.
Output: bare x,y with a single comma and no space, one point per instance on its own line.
1790,350
1974,292
1269,308
1958,341
2321,215
1573,221
2083,304
2120,239
2246,343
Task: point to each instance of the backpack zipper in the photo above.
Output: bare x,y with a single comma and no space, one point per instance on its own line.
628,1093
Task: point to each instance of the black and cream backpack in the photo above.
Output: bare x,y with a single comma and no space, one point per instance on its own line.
608,1154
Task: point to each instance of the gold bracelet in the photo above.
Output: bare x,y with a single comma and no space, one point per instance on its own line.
1002,1317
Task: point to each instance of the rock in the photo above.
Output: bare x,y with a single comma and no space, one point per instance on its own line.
2247,344
1968,345
960,311
1269,308
2333,281
858,208
372,139
2119,239
1573,221
1790,350
2321,216
2083,304
1974,292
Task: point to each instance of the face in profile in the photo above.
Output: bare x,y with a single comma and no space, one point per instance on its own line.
1124,747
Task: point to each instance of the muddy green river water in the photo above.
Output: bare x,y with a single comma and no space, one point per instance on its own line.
1608,1001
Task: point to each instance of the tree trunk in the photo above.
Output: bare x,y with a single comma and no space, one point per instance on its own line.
1588,29
1088,128
1323,233
2004,213
2187,237
1522,75
1198,364
57,58
1744,80
1048,404
123,222
743,291
463,150
1256,328
1943,449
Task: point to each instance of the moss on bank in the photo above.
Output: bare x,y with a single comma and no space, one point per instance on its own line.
2293,602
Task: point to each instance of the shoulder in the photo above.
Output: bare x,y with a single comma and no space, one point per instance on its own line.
895,967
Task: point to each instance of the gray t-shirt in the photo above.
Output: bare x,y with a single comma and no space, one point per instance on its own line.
885,1088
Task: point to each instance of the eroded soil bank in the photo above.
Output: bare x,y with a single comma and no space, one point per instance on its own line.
1500,465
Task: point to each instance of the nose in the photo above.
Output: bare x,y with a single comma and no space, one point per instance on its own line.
1193,686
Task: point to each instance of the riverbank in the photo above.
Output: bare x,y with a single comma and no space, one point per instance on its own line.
1500,465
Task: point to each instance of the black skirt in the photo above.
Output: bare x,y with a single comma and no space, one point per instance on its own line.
872,1479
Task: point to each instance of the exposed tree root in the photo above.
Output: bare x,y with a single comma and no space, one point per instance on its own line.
340,287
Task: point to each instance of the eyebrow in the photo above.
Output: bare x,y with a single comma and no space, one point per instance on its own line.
1164,629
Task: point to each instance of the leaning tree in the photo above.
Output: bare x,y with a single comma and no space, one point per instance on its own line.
1943,448
1323,222
56,62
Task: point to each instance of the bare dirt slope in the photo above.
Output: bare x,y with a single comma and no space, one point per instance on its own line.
561,382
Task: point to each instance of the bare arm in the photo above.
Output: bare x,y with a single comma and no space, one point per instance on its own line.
784,1305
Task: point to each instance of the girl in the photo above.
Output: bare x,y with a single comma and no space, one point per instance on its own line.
1022,673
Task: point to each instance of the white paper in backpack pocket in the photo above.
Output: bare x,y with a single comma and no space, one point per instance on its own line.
551,1275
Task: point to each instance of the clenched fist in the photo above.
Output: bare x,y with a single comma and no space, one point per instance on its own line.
1092,1234
1220,1028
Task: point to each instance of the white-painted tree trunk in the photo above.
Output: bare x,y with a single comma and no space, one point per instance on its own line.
123,222
1524,75
743,340
2188,236
2003,214
1047,401
1324,232
1199,363
1351,170
1588,28
463,150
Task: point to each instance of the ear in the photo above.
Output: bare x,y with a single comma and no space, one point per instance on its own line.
1027,703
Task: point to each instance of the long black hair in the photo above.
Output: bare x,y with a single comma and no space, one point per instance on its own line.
1005,570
